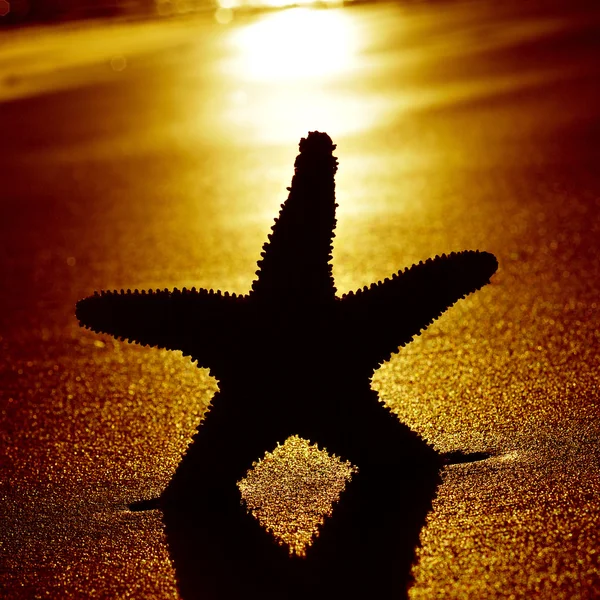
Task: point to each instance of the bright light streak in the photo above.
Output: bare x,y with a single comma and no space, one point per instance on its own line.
292,72
298,43
277,3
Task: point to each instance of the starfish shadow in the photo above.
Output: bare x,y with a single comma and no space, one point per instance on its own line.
292,358
366,546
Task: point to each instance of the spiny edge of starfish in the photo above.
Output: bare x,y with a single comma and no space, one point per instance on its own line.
315,144
319,447
167,291
493,265
376,284
135,293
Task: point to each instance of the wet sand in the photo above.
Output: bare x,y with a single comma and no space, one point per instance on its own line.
459,126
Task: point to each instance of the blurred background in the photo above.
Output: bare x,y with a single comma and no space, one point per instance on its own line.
23,11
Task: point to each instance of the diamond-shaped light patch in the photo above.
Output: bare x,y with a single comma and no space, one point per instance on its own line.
291,490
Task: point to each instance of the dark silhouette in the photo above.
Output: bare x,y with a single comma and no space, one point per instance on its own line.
292,358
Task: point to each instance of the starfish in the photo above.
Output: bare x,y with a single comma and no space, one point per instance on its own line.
292,357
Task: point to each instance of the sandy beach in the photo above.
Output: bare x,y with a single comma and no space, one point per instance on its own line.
156,154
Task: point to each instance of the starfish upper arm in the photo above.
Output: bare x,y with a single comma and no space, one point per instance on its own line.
389,314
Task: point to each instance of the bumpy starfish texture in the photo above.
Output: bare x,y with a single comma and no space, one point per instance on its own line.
294,359
294,279
301,351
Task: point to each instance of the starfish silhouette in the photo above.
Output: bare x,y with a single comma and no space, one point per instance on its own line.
292,358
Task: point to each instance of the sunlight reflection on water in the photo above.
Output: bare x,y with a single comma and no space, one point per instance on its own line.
300,43
291,70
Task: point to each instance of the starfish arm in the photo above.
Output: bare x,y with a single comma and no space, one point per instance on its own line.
194,322
296,260
380,319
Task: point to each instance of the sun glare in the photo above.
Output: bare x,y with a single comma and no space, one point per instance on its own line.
296,44
230,4
290,73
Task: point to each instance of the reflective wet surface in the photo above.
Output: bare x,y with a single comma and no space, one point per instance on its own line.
157,155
